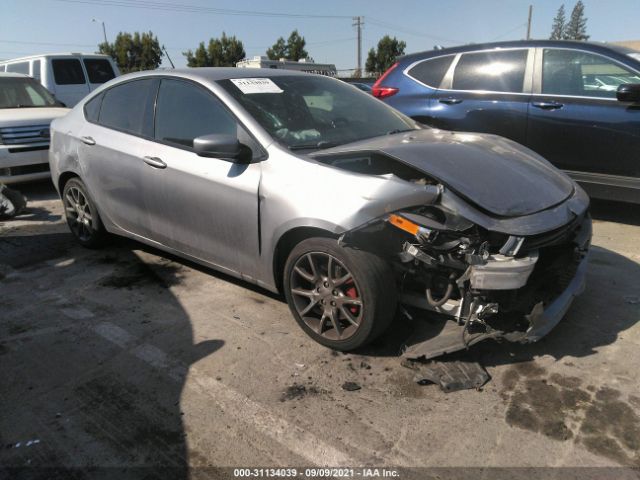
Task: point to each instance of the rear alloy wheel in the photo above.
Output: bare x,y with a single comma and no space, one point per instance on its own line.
82,215
343,298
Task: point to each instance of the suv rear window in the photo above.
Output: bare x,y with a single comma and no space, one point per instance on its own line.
432,71
68,71
491,71
99,70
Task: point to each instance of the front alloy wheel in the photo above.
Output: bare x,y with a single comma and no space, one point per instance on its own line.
343,298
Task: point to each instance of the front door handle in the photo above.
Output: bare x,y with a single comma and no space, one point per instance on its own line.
450,101
547,105
88,140
155,162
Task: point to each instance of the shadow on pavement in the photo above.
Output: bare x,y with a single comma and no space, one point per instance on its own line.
94,353
619,212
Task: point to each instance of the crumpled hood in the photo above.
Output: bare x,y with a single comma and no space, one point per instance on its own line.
497,174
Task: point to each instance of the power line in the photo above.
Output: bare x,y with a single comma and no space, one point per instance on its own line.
48,43
153,5
415,33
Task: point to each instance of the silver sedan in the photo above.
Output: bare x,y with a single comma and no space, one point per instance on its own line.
302,184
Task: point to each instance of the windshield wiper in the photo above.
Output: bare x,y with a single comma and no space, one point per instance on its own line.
400,130
310,146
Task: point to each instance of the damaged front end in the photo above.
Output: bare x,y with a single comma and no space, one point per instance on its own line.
484,283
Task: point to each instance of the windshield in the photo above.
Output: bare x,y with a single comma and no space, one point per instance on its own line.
635,55
23,92
311,112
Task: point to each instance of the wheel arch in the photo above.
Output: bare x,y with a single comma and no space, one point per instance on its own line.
64,178
287,242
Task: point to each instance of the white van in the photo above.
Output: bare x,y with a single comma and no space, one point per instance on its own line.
69,76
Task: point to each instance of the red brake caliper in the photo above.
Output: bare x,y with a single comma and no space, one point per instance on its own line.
351,291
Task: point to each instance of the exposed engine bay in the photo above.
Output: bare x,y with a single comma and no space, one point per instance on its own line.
489,283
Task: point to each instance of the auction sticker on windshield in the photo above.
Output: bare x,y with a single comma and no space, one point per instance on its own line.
256,85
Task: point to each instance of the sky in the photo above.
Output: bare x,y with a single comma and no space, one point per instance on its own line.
47,26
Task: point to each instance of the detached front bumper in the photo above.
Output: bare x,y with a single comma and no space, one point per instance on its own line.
543,320
439,337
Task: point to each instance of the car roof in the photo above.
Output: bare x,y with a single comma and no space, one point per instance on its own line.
14,74
604,48
217,73
212,74
47,55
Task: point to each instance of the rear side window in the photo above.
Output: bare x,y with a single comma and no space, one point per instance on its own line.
432,71
186,111
68,71
99,70
129,107
492,71
92,108
36,69
22,67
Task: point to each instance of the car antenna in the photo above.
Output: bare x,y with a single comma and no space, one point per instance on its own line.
168,57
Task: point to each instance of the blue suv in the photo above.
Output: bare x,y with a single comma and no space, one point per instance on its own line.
575,103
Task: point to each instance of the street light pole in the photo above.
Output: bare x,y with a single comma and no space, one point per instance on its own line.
104,30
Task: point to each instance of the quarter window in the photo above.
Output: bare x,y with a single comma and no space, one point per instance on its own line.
577,73
185,111
22,67
129,107
432,71
68,71
35,67
92,108
497,71
99,70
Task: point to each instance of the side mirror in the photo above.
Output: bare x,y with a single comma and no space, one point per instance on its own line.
628,92
219,146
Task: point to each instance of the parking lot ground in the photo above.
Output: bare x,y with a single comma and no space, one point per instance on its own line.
125,357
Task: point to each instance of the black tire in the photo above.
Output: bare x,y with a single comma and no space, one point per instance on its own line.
89,230
372,281
18,202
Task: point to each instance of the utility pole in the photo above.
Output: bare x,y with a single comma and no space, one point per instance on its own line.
529,22
104,30
359,23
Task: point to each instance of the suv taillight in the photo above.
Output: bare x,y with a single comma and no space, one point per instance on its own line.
379,90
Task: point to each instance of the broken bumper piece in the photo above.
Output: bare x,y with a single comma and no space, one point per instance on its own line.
434,338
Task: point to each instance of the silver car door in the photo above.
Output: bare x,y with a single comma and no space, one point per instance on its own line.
112,147
204,207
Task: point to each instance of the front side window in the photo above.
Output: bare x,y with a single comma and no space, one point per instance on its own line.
496,71
432,71
22,67
312,112
68,71
23,92
583,74
185,111
99,70
129,107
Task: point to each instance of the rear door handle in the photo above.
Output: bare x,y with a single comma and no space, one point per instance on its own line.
155,162
88,140
547,105
450,101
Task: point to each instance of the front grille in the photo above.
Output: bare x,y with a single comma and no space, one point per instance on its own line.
558,236
24,135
